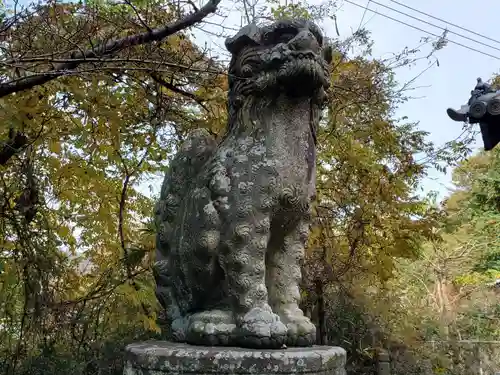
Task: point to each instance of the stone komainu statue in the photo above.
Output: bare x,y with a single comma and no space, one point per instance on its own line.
483,108
233,218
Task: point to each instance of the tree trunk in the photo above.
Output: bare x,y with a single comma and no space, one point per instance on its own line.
321,332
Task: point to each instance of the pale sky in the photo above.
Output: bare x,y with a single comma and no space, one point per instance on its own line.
449,84
445,86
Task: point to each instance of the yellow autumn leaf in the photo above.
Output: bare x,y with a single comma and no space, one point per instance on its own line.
55,146
64,231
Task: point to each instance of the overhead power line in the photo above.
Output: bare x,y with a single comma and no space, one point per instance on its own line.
444,21
424,31
434,25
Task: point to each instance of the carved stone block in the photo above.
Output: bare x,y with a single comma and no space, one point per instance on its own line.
162,358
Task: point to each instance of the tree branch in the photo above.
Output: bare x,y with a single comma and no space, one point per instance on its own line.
112,47
178,90
16,142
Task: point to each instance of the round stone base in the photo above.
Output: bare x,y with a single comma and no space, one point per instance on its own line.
162,357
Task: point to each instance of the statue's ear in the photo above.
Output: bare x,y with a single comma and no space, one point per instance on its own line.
248,35
328,53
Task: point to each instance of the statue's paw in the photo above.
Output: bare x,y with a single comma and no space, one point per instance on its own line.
178,329
300,330
212,328
260,328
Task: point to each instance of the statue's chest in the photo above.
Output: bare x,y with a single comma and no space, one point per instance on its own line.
295,151
289,159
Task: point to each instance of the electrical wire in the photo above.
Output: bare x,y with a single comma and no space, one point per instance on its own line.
434,25
424,31
444,21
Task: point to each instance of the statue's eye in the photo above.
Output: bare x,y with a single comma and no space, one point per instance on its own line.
282,35
285,37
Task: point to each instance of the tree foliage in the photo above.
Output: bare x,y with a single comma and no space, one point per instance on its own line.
76,236
450,293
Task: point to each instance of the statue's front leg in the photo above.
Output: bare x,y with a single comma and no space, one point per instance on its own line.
284,275
244,262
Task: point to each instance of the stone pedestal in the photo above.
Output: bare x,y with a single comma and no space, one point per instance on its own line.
162,357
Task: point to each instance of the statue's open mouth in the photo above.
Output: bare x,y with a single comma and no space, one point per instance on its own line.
302,72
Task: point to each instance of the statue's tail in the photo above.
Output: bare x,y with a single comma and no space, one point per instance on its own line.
183,169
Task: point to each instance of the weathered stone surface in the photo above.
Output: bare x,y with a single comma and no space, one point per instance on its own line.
233,217
162,358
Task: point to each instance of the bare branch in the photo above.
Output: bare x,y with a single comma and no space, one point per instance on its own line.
129,3
247,14
112,47
195,8
177,90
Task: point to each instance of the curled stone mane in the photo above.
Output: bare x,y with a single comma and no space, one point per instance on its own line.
233,218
